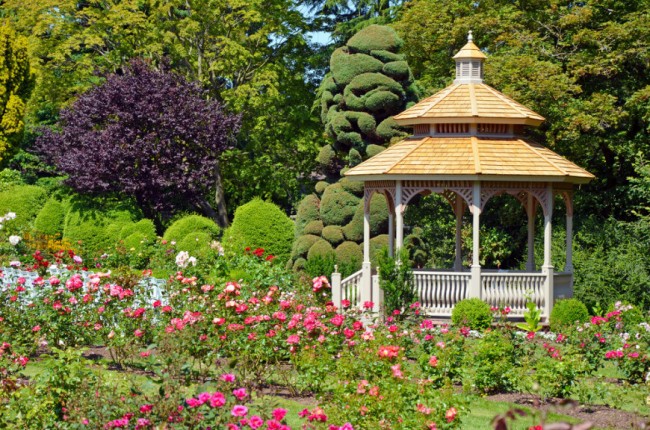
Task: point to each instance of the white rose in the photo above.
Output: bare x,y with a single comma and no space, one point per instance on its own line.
14,240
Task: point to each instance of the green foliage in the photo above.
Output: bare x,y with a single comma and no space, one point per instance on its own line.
191,224
302,245
354,187
25,200
337,206
326,157
320,187
378,219
16,83
374,38
396,279
372,150
473,313
493,363
260,224
9,178
145,227
377,243
196,243
349,253
321,248
566,313
533,317
308,210
50,218
314,227
333,234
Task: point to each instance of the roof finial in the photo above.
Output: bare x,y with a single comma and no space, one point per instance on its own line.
469,36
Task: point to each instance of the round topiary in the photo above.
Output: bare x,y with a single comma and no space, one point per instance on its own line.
302,244
320,187
50,218
197,244
145,226
372,150
25,201
189,224
473,313
566,313
113,229
308,210
260,224
333,234
322,248
376,37
326,156
314,227
85,229
136,242
338,206
345,66
348,253
354,187
299,264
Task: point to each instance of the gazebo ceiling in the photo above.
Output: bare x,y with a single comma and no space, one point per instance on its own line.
468,103
470,156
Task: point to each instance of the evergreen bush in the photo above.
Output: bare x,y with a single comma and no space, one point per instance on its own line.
260,224
314,227
473,313
338,206
566,313
349,253
308,210
25,201
302,244
320,187
49,220
196,243
145,226
191,224
321,248
333,234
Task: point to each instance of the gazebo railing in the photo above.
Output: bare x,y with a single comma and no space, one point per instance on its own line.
513,290
439,291
351,288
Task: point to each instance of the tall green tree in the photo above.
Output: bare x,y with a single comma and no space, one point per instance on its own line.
15,87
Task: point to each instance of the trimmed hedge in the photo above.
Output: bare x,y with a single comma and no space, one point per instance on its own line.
320,187
349,253
302,244
190,224
333,234
308,210
260,224
376,38
145,226
314,227
322,249
25,201
354,187
196,243
566,313
378,219
473,313
50,218
338,206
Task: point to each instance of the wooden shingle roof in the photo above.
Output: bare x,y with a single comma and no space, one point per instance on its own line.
471,156
469,103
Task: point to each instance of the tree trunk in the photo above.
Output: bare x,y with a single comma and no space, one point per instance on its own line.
220,199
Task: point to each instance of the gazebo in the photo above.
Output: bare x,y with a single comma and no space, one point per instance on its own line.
468,146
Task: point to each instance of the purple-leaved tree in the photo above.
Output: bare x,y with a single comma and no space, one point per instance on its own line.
147,134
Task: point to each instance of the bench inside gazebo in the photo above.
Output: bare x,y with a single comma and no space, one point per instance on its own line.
468,145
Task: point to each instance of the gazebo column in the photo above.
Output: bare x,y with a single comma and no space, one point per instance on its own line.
475,283
391,232
530,211
458,262
366,267
399,218
568,264
547,267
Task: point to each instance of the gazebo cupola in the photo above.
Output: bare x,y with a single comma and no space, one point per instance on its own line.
469,63
468,146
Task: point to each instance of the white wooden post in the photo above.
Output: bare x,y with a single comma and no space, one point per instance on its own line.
547,267
475,283
366,287
530,211
399,217
391,232
377,294
337,293
568,265
458,262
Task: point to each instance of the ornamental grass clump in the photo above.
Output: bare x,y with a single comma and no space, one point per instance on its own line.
473,313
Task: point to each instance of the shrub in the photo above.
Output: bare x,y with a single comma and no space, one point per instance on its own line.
302,244
566,313
191,224
260,224
196,243
113,229
87,228
321,248
373,150
314,227
396,279
299,264
378,219
145,226
326,156
354,187
377,243
50,218
308,210
493,366
346,66
338,206
349,252
333,234
25,200
320,187
375,37
473,313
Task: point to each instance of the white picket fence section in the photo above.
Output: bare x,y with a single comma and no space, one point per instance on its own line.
513,290
439,291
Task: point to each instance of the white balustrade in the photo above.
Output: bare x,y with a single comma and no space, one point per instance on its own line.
439,291
513,290
351,288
